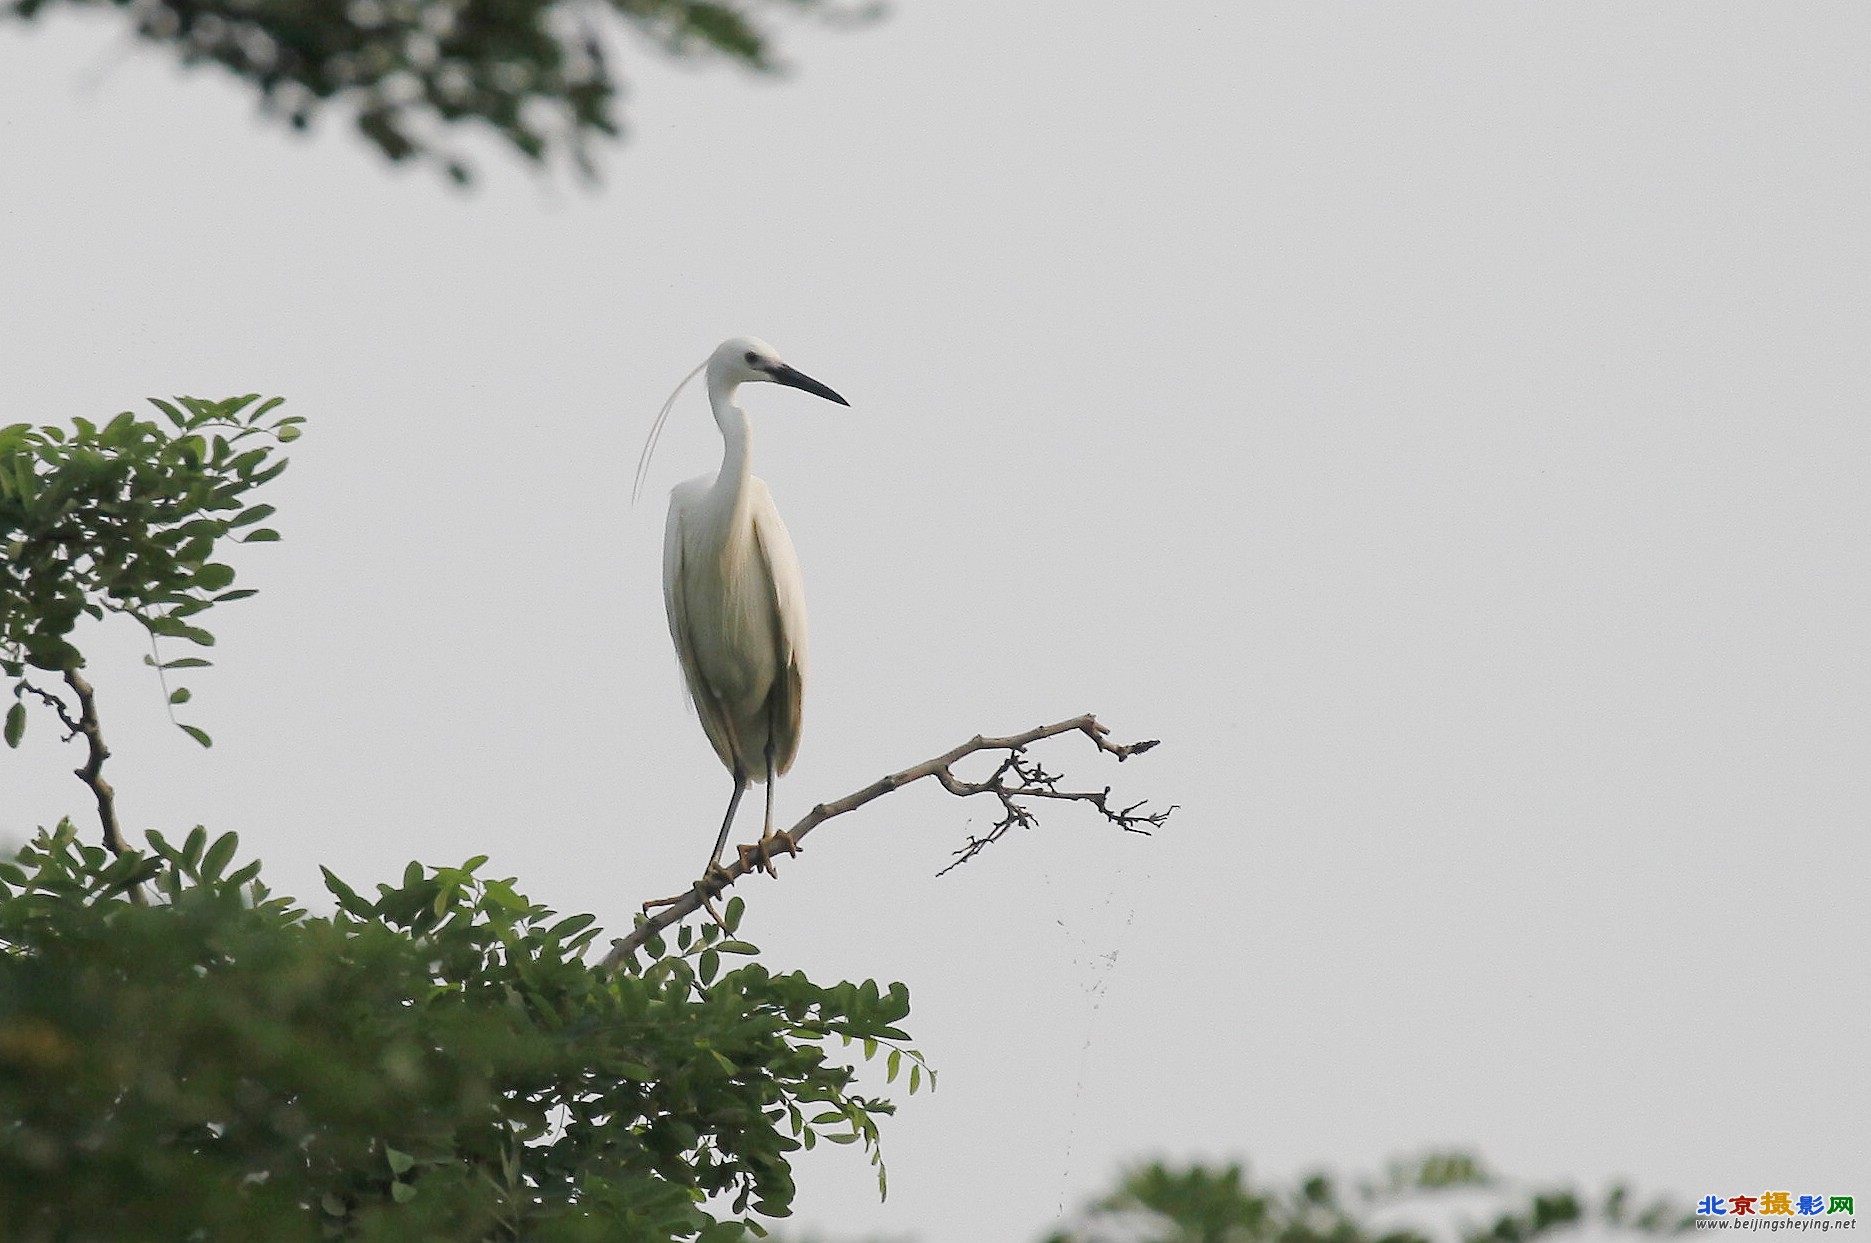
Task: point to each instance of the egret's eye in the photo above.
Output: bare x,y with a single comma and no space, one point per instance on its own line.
753,359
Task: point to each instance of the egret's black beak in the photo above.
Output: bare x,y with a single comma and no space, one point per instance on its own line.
782,374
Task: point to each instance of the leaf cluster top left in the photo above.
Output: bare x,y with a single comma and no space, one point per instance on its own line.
127,517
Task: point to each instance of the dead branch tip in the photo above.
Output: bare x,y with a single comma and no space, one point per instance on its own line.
1016,784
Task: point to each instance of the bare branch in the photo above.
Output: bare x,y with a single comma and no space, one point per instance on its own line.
1030,781
92,773
1014,779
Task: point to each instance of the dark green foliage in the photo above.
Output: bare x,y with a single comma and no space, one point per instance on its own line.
127,518
436,1062
1207,1204
532,71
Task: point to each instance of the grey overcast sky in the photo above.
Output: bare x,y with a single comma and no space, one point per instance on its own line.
1445,426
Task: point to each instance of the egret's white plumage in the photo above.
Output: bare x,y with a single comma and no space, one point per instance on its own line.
731,582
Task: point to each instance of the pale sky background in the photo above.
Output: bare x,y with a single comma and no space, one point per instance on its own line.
1446,427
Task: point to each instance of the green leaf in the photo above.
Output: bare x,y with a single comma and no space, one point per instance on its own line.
501,894
400,1162
570,926
214,576
219,855
251,515
199,735
348,898
180,695
264,535
402,1193
15,724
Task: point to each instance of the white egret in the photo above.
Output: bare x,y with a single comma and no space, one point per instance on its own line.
736,600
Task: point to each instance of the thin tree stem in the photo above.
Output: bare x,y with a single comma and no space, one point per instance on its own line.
92,773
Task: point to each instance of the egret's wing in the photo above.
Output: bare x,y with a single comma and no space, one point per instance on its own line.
787,698
677,586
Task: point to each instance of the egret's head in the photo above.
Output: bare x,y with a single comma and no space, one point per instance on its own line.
749,360
741,360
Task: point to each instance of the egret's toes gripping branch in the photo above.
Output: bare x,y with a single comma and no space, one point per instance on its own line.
760,854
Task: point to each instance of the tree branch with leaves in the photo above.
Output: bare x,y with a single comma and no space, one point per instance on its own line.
125,518
1203,1203
535,73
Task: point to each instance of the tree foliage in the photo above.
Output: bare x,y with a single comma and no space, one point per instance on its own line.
128,518
1159,1203
534,72
435,1062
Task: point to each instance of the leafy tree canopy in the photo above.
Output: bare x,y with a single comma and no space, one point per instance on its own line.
535,72
1435,1197
126,518
437,1062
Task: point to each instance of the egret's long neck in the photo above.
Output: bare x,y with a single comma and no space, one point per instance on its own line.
736,437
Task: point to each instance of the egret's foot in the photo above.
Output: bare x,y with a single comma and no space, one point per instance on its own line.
761,854
713,881
753,857
708,888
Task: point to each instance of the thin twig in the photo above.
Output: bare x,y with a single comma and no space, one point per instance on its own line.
1029,781
57,705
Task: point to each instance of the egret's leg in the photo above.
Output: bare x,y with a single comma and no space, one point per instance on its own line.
772,843
766,830
756,856
715,877
727,822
